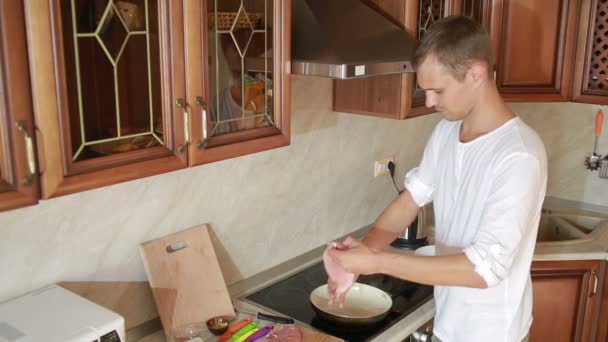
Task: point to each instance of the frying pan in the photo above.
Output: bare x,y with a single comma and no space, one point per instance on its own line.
364,304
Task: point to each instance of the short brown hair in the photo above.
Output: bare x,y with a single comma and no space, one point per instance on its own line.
456,42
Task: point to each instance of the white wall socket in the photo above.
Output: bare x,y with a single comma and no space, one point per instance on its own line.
381,166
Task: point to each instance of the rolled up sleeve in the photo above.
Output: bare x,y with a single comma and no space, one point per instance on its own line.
507,217
421,190
419,182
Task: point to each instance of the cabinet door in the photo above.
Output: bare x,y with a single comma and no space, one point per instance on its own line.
18,178
108,87
590,83
534,43
602,321
238,54
565,300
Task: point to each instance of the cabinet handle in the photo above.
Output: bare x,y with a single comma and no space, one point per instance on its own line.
594,291
199,101
29,153
182,104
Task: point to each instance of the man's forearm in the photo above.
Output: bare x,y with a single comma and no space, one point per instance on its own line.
448,270
393,220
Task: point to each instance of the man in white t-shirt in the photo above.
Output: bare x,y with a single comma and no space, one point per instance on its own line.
485,171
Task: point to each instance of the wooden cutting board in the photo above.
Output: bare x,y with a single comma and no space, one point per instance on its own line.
185,277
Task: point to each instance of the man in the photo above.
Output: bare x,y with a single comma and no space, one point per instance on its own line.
485,172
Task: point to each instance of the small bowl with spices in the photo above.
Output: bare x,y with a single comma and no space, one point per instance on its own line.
218,325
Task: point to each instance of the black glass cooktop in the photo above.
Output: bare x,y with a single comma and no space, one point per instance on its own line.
290,297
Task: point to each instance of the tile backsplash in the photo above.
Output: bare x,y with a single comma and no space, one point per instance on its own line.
264,208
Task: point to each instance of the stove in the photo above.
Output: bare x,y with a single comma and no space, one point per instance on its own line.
290,297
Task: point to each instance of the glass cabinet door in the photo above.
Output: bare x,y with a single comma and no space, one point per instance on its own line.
112,67
429,11
119,76
476,9
245,101
19,183
240,70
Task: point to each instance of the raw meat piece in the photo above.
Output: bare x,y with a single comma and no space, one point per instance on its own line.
289,333
340,281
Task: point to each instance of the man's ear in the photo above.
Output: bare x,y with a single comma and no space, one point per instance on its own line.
478,73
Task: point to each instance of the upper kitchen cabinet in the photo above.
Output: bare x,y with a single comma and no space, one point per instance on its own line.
428,13
238,94
534,43
19,185
109,92
590,83
392,96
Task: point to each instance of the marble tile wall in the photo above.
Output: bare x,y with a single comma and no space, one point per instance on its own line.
264,208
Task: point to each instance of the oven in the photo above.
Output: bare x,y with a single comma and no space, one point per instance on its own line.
290,297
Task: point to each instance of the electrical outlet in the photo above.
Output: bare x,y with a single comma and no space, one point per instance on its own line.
381,166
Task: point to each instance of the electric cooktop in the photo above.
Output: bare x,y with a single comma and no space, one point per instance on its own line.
290,297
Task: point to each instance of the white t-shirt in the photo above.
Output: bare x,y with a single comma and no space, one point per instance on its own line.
487,196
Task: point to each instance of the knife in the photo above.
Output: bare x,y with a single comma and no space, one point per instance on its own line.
243,331
234,329
270,318
259,334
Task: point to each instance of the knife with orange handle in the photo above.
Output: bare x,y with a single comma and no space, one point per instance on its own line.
234,329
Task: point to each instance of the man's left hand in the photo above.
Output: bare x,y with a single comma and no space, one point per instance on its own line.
357,259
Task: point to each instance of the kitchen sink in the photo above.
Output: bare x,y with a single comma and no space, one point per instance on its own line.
564,228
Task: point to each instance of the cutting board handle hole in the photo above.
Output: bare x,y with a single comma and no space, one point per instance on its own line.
176,246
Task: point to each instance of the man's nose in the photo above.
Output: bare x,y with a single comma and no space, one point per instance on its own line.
431,100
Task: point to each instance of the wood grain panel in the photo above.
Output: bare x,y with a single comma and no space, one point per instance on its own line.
247,141
185,277
555,317
565,304
15,106
594,14
50,99
534,44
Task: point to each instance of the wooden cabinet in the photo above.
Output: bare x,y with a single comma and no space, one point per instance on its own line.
19,184
392,96
534,43
238,85
566,300
123,89
590,84
602,321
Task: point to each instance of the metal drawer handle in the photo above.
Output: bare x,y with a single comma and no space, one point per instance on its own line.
182,104
29,153
199,101
594,291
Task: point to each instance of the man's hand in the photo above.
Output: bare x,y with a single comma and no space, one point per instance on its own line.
357,259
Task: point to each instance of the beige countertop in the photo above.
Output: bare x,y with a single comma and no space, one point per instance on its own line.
593,247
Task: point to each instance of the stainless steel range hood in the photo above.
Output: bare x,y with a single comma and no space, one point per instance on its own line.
347,39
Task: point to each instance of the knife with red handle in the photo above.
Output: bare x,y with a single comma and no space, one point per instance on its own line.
259,334
234,328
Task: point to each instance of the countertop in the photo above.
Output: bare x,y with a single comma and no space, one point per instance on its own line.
595,247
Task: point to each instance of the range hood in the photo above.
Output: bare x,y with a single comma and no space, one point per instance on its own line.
347,39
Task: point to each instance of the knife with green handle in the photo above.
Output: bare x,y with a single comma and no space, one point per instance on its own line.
243,331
